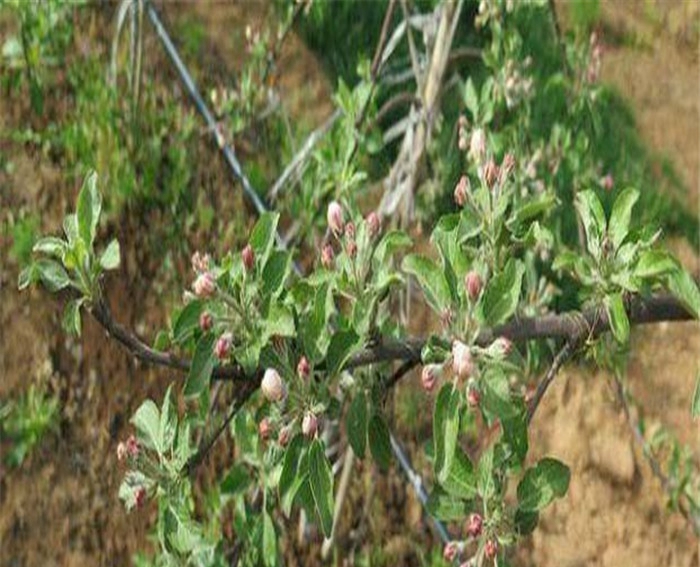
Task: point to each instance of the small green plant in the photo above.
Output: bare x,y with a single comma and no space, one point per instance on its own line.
26,421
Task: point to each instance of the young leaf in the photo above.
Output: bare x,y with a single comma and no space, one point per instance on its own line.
379,441
147,423
89,207
461,481
500,299
110,257
617,316
544,482
695,405
263,236
342,346
321,478
275,272
446,507
71,317
269,541
684,288
431,280
51,274
654,263
187,321
620,217
168,421
236,481
445,430
593,218
293,473
356,424
202,366
50,245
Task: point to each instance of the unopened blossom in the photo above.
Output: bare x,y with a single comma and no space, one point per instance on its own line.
121,451
473,396
374,224
204,285
140,496
477,146
248,256
461,192
446,317
473,284
264,429
132,446
334,217
272,386
200,263
607,182
206,321
491,549
475,524
462,363
491,173
350,230
303,368
351,248
429,376
284,435
501,347
450,551
309,425
327,256
222,348
507,166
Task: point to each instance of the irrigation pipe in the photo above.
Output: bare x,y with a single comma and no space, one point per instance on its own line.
231,159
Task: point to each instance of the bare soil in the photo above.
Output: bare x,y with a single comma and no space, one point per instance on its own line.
61,507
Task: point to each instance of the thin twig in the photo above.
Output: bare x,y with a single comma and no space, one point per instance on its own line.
559,360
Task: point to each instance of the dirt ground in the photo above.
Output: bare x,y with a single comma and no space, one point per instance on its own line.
61,507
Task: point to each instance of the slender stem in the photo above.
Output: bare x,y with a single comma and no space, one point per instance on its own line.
562,356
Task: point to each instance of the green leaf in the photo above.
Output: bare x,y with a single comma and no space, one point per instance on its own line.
263,236
236,481
71,317
502,293
391,242
321,478
471,99
620,217
147,423
695,405
187,321
379,441
497,400
653,263
445,430
51,274
342,346
683,287
593,218
168,421
485,483
275,272
26,277
431,280
547,480
525,522
89,207
50,245
617,317
111,256
279,321
202,366
356,424
295,472
269,541
446,507
461,481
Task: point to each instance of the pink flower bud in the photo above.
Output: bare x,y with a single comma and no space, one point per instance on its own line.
222,348
446,317
462,143
607,182
303,368
477,146
491,173
473,283
429,376
121,451
462,363
204,285
501,347
272,386
351,249
206,321
450,551
491,549
140,496
200,263
284,436
462,191
309,425
248,256
507,166
374,224
132,447
327,257
335,217
264,429
350,230
474,525
473,396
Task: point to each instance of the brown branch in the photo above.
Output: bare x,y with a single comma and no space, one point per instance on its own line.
562,356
